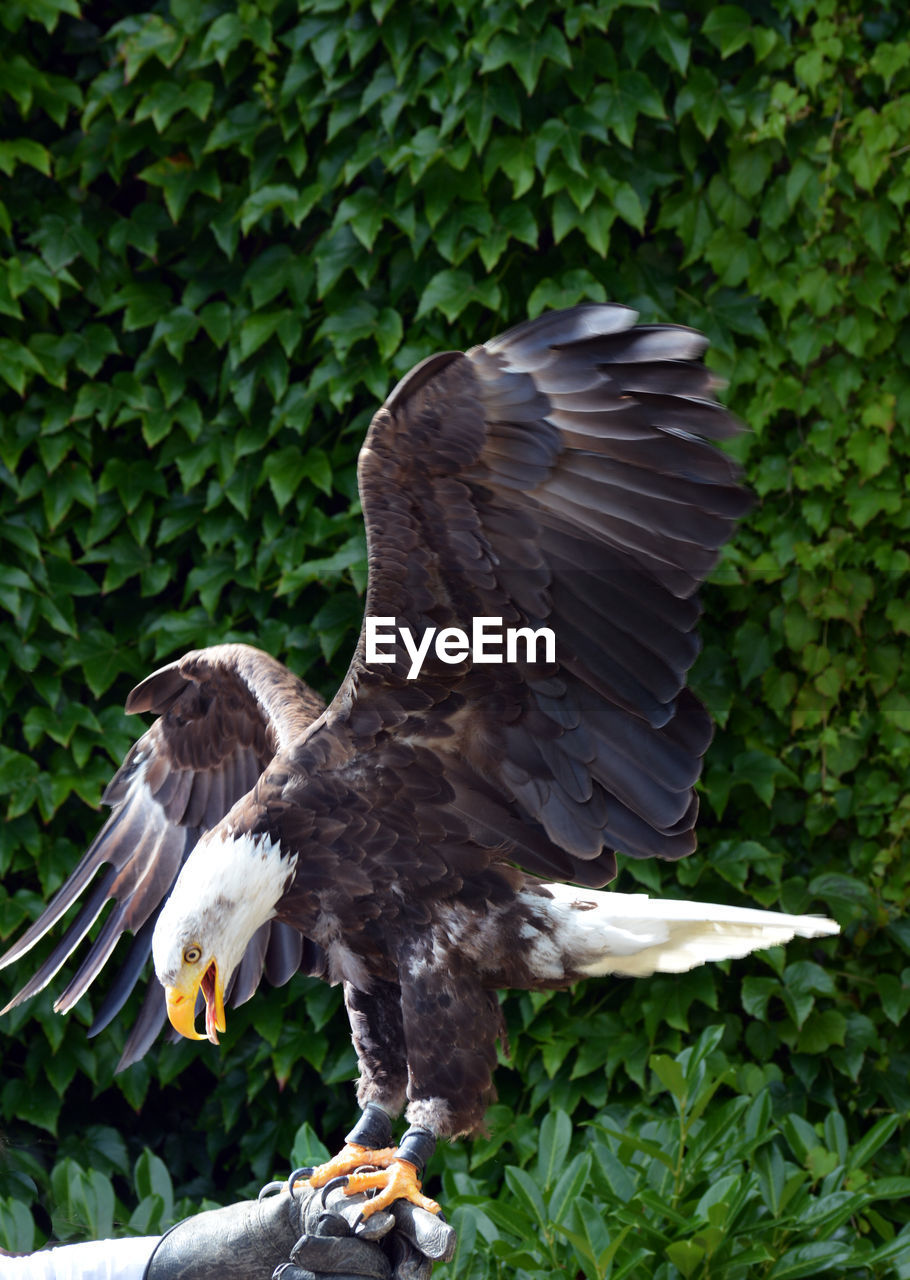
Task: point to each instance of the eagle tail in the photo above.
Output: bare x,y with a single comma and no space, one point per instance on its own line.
631,934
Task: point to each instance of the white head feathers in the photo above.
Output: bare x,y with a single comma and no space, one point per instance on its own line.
228,888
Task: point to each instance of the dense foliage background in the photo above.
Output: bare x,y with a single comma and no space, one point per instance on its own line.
225,230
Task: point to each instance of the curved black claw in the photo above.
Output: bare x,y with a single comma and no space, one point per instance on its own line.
296,1175
340,1181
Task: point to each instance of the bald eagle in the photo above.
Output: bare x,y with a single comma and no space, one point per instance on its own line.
416,839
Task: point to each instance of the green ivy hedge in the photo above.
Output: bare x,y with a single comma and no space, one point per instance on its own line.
226,229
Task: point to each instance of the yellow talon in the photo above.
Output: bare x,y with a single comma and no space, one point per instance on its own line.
398,1181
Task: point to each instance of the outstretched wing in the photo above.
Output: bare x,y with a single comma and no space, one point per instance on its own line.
223,712
557,476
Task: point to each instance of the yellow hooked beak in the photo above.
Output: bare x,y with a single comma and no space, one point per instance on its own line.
181,1004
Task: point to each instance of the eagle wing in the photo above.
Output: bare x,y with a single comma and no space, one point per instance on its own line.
224,712
560,476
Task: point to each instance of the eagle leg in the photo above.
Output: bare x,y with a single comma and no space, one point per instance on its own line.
368,1143
401,1180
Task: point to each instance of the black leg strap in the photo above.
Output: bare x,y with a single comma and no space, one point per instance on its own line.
373,1129
417,1146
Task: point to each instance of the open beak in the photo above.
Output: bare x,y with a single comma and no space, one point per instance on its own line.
181,1005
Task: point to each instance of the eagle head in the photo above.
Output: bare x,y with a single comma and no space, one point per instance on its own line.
228,888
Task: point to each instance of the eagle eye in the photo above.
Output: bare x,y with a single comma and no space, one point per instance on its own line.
192,954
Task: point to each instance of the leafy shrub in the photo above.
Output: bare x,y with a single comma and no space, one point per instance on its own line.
719,1187
225,231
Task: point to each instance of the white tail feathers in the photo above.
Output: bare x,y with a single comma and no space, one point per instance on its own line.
620,933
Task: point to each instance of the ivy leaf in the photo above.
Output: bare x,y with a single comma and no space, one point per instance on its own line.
620,104
451,291
728,27
24,151
527,53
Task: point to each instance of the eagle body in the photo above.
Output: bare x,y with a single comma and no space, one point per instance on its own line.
428,841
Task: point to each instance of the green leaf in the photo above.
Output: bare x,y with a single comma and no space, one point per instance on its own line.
728,27
890,58
756,992
216,320
555,1136
294,204
569,289
629,95
351,324
671,1075
527,1196
591,1240
17,1227
571,1183
389,332
526,54
288,467
686,1255
701,96
810,1260
635,1143
308,1149
24,151
822,1029
336,254
152,1178
450,291
256,330
764,773
318,469
628,205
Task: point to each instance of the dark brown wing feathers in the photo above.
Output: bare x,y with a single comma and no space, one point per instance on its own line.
555,476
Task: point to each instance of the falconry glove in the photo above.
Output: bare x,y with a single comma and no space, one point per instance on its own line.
306,1235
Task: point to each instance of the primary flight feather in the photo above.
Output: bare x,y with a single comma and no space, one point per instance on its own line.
414,839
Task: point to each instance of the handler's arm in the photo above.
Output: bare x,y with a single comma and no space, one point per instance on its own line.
96,1260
